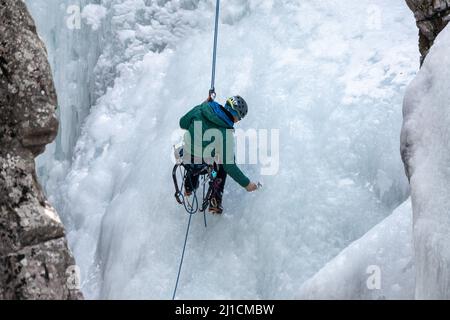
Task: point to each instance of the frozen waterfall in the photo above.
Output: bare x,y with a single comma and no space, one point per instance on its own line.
330,75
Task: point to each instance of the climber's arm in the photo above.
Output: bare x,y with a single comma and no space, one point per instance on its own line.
230,166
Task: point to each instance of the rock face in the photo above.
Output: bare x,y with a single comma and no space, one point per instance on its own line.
431,16
35,262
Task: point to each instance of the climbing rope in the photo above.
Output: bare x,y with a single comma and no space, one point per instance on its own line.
182,256
212,91
191,211
193,208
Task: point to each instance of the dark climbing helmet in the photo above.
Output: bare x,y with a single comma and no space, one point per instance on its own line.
238,105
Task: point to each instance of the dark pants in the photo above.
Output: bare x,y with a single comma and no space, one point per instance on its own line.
217,185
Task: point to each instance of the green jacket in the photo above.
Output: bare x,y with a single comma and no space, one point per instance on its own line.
219,143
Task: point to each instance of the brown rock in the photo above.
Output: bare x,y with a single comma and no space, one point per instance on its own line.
34,256
431,16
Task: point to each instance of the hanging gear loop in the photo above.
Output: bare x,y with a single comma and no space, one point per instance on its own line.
212,91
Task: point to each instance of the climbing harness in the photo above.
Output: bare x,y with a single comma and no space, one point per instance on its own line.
206,175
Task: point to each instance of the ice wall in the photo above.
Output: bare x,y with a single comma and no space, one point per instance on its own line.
327,74
426,151
73,50
378,266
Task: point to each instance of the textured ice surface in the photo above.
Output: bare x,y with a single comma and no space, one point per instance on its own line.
380,265
330,75
73,53
426,137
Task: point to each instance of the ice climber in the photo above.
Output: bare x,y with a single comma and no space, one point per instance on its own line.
209,140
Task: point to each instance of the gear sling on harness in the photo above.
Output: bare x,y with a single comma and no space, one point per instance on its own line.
206,171
190,171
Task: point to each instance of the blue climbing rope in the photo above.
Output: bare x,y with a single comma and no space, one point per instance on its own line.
191,210
212,95
182,256
212,91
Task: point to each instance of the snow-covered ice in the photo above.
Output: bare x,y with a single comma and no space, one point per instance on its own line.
329,74
380,265
93,14
426,146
